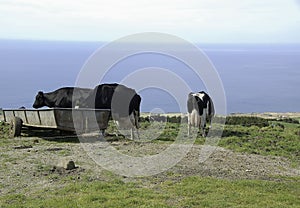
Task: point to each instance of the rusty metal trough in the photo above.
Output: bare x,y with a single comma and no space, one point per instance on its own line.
66,119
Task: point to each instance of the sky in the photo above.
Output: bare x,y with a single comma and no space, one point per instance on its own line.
211,21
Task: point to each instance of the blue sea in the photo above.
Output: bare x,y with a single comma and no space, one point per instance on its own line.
255,77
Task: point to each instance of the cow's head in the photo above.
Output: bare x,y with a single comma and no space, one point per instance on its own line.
39,100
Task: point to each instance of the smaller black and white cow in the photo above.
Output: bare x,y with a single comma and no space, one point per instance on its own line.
200,110
66,97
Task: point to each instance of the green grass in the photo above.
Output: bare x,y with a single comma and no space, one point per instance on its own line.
90,194
274,138
4,134
209,192
252,135
190,192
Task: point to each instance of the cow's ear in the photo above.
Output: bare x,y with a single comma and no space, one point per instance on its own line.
40,93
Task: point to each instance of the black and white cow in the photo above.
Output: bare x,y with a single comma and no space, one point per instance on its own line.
200,110
61,98
123,102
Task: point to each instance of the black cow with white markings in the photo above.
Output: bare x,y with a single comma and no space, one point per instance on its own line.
66,97
200,110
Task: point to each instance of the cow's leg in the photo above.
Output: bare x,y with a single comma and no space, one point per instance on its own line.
132,134
189,124
189,129
194,120
134,126
106,124
132,123
137,132
126,124
102,132
209,119
136,123
203,123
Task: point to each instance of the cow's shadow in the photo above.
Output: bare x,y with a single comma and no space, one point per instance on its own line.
51,135
55,135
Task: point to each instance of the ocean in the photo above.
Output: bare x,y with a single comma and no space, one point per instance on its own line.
255,77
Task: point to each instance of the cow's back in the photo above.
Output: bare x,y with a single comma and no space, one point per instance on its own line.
63,97
78,95
60,98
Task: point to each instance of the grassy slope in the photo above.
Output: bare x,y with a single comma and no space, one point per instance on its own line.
279,138
190,192
254,135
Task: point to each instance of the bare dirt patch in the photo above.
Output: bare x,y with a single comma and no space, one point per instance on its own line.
29,164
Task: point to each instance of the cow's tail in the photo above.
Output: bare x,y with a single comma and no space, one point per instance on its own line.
211,112
136,114
136,111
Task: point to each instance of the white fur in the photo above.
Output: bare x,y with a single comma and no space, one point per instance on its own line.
199,95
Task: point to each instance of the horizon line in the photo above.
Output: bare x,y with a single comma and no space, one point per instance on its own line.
105,41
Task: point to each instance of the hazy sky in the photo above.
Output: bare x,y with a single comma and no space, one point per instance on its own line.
194,20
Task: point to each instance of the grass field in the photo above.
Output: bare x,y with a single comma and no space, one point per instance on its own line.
251,137
190,192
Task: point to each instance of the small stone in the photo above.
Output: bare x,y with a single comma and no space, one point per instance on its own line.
70,165
66,164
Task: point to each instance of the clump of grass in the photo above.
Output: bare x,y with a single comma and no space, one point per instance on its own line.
170,132
4,130
5,138
246,121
